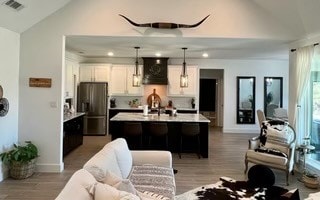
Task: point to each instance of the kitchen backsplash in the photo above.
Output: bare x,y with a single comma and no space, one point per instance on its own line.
160,90
178,102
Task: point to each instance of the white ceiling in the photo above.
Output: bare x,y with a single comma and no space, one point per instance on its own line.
33,12
297,16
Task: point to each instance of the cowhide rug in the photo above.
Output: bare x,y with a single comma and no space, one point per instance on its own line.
229,189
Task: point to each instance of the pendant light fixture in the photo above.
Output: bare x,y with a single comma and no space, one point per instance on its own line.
136,78
184,75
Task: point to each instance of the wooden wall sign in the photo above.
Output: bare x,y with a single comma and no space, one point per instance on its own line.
40,82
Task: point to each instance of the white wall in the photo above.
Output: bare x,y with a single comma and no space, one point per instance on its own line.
9,73
234,68
42,53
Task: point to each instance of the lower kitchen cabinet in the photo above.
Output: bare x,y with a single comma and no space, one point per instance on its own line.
72,134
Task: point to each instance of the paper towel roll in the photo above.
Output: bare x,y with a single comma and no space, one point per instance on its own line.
145,110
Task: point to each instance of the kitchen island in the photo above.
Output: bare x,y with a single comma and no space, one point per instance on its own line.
174,126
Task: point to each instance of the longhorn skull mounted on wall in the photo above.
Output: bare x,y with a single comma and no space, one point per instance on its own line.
164,25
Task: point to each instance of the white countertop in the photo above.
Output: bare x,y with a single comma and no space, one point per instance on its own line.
125,108
67,117
127,116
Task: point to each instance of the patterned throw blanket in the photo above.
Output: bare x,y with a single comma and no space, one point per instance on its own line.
150,178
229,189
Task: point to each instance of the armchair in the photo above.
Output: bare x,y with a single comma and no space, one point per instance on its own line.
261,117
274,147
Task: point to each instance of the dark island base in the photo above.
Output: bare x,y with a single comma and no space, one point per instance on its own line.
189,144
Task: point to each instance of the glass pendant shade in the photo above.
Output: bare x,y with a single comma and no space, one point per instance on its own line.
183,80
136,78
184,76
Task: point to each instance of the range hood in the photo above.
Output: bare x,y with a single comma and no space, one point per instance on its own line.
155,71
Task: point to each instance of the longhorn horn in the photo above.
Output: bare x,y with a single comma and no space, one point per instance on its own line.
164,25
193,25
136,24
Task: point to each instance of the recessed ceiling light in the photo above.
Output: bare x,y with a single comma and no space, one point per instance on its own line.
205,55
110,53
158,54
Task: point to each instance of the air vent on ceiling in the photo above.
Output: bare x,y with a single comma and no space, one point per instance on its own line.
13,5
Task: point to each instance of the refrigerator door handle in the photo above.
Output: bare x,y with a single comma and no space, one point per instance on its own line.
91,98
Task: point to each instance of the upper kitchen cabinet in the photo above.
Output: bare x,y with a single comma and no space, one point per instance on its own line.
121,81
71,74
174,89
95,72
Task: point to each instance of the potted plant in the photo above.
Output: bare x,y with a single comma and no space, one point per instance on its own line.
21,160
310,180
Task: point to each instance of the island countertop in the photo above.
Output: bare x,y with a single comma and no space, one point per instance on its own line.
181,117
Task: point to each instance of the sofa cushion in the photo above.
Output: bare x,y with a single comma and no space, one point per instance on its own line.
123,155
159,180
102,161
266,157
119,183
76,187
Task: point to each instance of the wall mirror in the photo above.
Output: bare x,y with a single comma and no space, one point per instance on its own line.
272,95
246,99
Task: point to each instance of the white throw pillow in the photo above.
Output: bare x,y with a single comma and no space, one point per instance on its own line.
97,172
119,183
278,136
111,179
126,185
101,191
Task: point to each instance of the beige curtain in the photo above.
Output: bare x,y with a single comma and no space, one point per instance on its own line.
299,72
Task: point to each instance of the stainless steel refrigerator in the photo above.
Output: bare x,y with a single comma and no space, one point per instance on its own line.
93,100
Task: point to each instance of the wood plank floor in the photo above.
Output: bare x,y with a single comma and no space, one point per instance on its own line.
226,158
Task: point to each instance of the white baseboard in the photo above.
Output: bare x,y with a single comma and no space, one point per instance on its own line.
50,167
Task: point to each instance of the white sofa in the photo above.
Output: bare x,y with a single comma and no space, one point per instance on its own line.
116,159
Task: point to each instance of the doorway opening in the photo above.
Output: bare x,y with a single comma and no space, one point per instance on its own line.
211,95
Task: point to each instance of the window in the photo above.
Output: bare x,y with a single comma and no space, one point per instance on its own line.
315,107
315,122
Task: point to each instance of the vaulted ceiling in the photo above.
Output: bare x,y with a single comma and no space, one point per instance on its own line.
33,12
299,18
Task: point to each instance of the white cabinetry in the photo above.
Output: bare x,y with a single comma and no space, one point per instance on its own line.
71,74
174,89
121,80
95,72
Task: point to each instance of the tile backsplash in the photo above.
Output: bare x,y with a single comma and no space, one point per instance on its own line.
179,102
